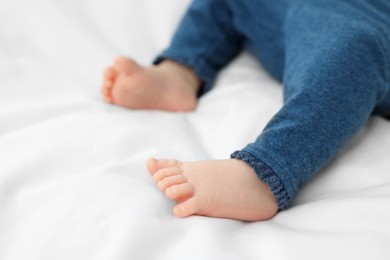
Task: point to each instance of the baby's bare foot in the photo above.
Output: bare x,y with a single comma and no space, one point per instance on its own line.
168,86
223,189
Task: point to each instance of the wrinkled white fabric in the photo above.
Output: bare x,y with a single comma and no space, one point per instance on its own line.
73,182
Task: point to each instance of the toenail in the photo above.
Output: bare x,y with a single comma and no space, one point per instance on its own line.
161,183
170,191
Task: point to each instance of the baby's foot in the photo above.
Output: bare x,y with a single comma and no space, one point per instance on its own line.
224,189
168,86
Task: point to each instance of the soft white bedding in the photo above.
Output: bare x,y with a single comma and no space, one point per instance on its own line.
73,182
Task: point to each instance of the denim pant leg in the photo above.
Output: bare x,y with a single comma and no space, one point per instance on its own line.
336,72
206,40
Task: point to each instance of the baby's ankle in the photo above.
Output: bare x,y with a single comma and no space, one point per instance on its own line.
182,72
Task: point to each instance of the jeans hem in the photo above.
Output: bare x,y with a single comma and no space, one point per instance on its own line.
267,175
199,68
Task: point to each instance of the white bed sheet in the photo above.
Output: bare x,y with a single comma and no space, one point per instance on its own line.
73,182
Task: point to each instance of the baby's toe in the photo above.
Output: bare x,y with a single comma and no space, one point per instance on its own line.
155,165
192,206
108,83
164,163
110,74
151,164
126,65
170,181
180,192
167,172
106,93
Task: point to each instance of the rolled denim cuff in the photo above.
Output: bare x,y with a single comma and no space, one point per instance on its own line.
201,69
268,176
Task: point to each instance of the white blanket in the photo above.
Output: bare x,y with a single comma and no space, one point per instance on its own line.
73,182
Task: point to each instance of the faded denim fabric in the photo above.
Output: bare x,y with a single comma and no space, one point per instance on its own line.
332,56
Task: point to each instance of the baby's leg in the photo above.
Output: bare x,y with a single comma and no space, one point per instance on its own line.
334,77
223,188
168,86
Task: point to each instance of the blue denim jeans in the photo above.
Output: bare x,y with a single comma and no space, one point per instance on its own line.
332,57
